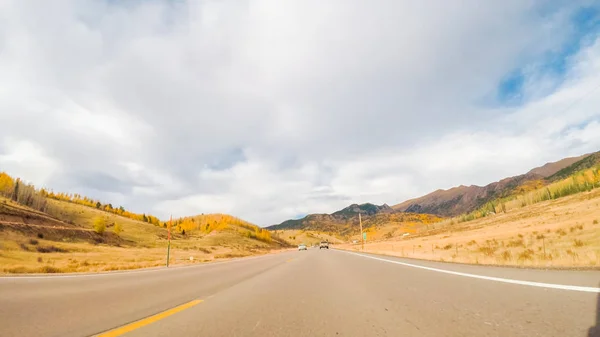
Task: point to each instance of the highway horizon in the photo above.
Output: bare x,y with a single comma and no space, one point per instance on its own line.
306,293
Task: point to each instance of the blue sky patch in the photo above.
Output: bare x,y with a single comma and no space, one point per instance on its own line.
585,26
511,87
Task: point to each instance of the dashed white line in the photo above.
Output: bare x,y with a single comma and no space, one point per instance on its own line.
489,278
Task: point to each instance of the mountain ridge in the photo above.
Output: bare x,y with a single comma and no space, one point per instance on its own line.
446,202
462,199
332,222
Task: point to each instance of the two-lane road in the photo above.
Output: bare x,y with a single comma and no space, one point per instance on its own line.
309,293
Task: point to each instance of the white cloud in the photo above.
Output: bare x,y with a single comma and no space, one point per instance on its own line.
269,109
29,159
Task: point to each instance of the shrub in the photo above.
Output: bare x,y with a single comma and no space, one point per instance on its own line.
50,269
561,232
595,222
506,256
39,259
24,246
487,251
117,229
40,235
448,246
17,270
578,243
472,242
50,249
33,242
515,243
230,255
99,225
527,254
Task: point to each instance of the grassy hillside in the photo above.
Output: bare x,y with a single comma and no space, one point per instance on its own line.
43,233
563,232
581,181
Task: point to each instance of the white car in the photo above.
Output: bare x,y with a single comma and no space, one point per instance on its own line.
302,247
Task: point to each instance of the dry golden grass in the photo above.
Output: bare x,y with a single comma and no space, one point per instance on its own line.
306,237
18,255
141,233
69,244
554,233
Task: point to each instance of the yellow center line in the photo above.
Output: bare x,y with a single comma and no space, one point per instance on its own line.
289,260
148,320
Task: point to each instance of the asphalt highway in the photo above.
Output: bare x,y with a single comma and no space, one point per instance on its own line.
305,293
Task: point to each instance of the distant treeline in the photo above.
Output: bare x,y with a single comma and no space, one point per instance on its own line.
22,193
219,222
27,195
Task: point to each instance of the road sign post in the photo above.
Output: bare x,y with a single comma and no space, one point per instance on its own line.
169,238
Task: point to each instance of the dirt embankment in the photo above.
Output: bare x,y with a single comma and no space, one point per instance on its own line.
30,223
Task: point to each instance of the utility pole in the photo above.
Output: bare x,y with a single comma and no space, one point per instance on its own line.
169,238
362,240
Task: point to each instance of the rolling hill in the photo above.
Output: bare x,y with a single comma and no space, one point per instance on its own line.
465,199
42,231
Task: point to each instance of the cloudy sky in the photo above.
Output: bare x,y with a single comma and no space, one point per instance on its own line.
271,109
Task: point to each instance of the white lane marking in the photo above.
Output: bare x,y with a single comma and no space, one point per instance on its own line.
489,278
129,272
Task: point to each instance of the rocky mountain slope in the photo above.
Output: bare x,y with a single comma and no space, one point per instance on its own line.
464,199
